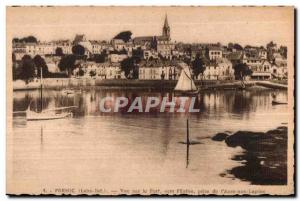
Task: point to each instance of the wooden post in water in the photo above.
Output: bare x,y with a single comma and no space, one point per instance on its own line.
187,132
187,143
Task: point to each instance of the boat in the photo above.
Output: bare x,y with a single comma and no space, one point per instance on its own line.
39,116
275,102
185,84
49,114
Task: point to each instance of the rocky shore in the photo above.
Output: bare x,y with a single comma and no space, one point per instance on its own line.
265,157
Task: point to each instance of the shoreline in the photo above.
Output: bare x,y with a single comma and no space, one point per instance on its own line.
64,83
264,161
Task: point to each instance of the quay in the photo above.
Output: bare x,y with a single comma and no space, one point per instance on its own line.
63,83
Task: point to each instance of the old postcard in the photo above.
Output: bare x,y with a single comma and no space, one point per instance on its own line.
150,100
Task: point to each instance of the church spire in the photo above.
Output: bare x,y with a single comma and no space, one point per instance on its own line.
166,25
166,29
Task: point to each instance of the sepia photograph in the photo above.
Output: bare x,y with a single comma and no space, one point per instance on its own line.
150,100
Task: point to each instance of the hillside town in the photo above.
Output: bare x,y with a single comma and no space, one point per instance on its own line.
145,58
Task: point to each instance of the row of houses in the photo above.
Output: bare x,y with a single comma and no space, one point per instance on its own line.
220,70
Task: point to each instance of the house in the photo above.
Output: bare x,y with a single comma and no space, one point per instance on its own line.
164,47
279,59
44,48
100,70
219,69
65,45
235,57
81,40
262,53
116,58
19,50
158,70
158,73
110,71
52,63
214,52
252,62
279,72
99,46
262,71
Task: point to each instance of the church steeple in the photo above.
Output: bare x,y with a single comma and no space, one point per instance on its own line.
166,28
166,22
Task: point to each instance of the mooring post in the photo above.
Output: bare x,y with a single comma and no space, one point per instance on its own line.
187,143
187,132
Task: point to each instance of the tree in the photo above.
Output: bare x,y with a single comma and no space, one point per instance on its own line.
92,73
59,51
28,39
124,35
16,70
39,63
27,68
138,54
81,72
100,58
237,46
67,63
198,65
283,51
241,70
271,48
78,50
129,67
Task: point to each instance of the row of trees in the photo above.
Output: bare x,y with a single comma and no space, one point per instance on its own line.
30,67
28,39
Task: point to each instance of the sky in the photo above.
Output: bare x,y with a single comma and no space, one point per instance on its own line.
244,25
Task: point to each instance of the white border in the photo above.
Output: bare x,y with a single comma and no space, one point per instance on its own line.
4,3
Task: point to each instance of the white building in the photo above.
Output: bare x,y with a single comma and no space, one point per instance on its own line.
279,72
214,53
158,73
99,46
116,58
221,69
100,71
262,71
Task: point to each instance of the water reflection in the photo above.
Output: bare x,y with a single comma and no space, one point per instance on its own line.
238,103
136,148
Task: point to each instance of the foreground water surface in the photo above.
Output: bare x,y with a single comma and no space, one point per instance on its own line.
121,149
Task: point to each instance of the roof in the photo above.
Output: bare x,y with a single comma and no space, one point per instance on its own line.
161,38
223,60
102,42
214,48
143,39
235,55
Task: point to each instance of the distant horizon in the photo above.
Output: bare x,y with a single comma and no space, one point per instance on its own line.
255,26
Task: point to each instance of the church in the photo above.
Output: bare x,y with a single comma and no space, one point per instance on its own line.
162,44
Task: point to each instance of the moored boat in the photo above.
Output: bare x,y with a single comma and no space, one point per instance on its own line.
274,102
185,84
